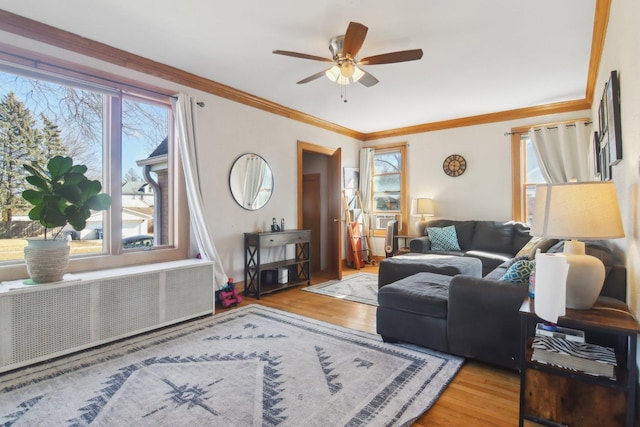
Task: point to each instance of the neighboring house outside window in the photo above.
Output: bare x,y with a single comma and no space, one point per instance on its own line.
47,113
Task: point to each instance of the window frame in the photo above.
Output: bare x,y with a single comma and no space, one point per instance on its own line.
404,190
179,227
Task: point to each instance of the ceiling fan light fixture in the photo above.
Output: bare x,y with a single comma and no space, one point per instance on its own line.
342,80
347,69
333,73
357,73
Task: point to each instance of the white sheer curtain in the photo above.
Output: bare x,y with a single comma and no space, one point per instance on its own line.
564,152
187,132
253,179
366,162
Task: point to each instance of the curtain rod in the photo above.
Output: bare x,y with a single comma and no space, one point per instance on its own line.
92,77
524,132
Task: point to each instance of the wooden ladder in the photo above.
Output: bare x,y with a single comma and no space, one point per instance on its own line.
365,226
353,232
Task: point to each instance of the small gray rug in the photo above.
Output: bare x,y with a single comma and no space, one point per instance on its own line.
359,287
251,366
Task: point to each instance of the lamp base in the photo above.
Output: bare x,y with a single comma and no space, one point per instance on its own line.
584,281
419,226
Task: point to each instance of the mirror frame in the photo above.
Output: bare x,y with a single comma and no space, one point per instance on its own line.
238,173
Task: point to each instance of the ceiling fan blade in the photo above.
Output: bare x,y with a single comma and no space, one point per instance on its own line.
367,79
388,58
301,55
311,78
353,39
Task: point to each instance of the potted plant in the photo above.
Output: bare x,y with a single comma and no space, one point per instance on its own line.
61,194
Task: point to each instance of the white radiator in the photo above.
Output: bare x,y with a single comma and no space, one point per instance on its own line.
40,322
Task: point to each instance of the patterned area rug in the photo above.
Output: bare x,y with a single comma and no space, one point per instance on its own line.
252,366
359,287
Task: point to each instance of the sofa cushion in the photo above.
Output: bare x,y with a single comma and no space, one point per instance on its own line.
527,249
521,236
398,267
519,272
490,260
493,236
443,239
422,293
464,230
544,245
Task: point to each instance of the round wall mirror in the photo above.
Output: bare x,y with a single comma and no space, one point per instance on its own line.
251,181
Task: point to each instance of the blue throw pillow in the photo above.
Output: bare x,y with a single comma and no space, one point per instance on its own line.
443,239
519,272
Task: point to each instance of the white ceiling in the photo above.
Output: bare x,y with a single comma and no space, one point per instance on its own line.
479,56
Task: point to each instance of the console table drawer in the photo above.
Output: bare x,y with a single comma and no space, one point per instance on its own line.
267,240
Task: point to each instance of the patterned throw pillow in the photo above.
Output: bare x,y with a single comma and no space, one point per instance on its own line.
443,239
519,272
526,249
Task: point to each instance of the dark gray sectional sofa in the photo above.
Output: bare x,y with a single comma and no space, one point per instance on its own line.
475,317
492,242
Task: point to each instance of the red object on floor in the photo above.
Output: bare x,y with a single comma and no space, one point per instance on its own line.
357,241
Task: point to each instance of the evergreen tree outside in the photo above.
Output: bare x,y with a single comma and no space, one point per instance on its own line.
52,144
19,143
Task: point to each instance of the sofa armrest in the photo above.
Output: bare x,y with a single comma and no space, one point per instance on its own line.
615,284
483,320
420,244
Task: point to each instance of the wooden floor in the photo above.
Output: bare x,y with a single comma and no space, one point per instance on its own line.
480,395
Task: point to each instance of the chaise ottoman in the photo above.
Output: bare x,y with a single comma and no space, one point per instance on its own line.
398,267
414,310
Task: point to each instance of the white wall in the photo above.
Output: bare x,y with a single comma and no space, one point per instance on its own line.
621,53
484,190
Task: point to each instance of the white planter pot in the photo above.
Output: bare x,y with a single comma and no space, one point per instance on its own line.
46,260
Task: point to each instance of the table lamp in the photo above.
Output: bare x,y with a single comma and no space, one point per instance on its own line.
579,210
423,207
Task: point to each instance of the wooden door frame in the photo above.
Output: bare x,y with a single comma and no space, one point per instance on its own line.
333,193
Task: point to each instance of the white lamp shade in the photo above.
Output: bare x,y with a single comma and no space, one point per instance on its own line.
357,73
577,210
333,73
424,207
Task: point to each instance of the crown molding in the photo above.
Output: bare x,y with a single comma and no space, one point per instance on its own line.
501,116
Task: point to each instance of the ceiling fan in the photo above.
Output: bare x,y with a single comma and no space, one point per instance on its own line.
344,50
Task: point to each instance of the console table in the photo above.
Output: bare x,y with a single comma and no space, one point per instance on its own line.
298,267
553,396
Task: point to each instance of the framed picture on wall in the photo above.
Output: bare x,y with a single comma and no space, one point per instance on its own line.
351,178
596,154
613,124
602,116
605,167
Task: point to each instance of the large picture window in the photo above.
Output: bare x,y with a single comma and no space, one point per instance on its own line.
123,136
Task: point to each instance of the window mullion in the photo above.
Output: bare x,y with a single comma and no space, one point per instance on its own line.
113,170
